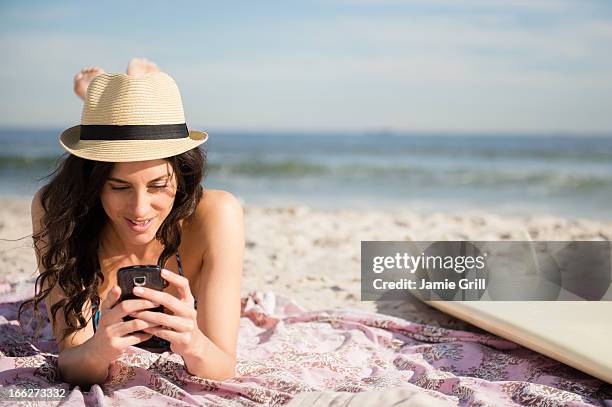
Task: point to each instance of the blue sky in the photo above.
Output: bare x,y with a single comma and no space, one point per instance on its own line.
342,65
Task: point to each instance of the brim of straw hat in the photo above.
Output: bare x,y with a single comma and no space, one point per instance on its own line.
128,150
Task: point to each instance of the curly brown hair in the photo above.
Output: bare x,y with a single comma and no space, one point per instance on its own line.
73,219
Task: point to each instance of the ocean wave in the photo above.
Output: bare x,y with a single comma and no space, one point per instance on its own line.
269,168
20,162
415,174
477,176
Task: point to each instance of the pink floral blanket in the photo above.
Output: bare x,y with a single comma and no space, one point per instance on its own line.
284,350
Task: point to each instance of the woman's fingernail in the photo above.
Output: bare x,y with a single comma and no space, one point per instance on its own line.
138,290
164,272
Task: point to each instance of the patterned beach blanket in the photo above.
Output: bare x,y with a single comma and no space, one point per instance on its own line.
288,355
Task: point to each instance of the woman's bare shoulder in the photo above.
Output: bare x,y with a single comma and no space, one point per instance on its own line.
215,202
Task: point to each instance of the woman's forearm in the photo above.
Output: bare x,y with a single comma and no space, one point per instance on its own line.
208,361
81,366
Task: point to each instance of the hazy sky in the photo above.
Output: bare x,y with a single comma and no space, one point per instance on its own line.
356,65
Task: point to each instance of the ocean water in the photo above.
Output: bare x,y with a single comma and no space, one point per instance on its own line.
569,176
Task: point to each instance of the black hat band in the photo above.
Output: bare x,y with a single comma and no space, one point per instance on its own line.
133,132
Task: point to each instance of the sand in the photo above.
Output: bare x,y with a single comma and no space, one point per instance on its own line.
313,256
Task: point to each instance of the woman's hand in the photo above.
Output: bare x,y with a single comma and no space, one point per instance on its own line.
113,335
180,328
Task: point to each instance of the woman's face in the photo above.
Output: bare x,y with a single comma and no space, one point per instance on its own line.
137,192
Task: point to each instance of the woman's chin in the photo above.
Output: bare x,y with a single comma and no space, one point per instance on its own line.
140,237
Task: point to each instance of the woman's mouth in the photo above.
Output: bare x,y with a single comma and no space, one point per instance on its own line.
138,226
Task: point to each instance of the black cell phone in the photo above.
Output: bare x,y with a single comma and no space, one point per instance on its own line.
140,276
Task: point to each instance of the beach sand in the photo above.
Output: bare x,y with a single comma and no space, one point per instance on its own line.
313,256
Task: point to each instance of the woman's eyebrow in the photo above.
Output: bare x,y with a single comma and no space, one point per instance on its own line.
126,182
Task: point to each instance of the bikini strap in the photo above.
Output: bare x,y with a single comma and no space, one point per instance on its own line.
180,267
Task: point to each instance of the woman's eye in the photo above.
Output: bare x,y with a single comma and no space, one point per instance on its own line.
152,186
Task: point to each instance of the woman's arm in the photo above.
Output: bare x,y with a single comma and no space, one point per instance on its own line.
80,366
222,226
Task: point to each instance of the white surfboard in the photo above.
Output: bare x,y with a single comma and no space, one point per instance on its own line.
577,333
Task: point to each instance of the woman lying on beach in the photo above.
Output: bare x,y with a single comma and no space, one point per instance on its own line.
129,193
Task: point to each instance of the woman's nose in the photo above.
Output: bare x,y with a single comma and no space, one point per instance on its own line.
140,204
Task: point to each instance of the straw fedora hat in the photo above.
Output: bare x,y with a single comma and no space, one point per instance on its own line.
128,118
